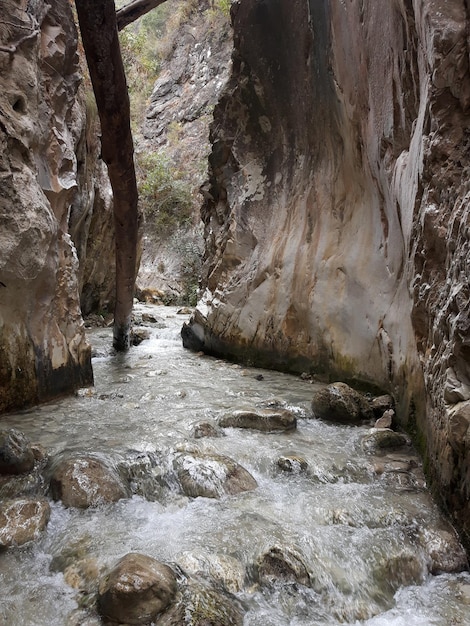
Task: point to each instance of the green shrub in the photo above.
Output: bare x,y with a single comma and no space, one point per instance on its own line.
223,6
139,43
190,247
165,197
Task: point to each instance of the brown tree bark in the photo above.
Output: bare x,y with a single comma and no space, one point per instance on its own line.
98,27
134,10
99,24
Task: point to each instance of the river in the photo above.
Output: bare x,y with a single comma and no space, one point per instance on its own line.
355,528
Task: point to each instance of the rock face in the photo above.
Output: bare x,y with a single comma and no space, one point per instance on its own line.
43,349
177,123
337,214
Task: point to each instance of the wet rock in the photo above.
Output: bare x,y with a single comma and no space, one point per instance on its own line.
31,484
84,482
16,453
380,404
139,335
201,605
386,420
83,574
340,403
264,420
223,569
150,318
136,590
292,464
211,476
184,311
22,520
444,549
78,550
39,451
380,439
281,563
80,617
144,474
404,481
206,429
402,569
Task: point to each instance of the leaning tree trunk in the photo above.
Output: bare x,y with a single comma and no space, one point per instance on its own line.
134,10
98,27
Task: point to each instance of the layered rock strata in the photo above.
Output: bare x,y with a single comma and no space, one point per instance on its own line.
336,217
43,349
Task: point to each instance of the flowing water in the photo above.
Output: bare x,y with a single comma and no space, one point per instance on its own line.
358,531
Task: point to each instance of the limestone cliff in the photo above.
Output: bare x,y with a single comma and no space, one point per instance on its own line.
336,216
43,349
194,70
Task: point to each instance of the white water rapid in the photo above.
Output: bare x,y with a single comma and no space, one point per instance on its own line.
364,535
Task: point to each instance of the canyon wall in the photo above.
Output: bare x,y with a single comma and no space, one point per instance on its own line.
43,349
336,215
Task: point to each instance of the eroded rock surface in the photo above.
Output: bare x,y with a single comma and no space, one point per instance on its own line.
337,214
43,349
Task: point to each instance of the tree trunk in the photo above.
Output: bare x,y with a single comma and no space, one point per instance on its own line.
98,27
134,10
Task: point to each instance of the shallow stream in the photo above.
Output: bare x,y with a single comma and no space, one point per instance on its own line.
363,526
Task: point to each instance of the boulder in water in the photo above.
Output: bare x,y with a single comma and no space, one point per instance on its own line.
380,404
400,569
211,475
281,563
264,420
202,605
445,551
85,481
340,403
381,439
292,463
22,520
206,429
225,570
136,590
16,453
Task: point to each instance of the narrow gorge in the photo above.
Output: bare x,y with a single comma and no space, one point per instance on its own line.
320,153
337,216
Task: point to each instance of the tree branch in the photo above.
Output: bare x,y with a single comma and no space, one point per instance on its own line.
134,10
